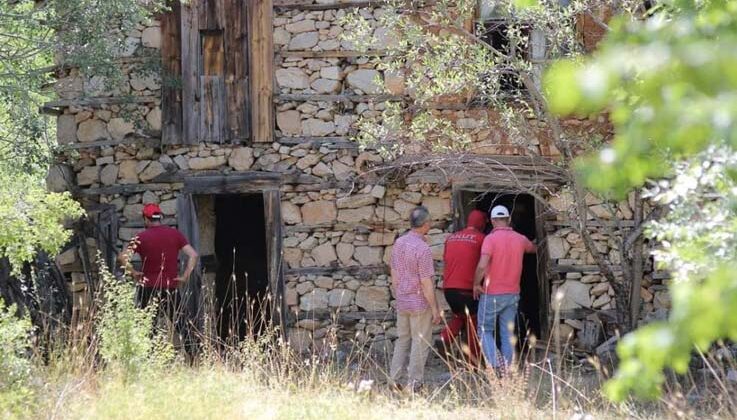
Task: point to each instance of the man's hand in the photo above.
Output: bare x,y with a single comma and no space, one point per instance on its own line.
183,278
436,316
478,290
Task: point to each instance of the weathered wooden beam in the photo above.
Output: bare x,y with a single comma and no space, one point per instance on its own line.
345,317
638,271
593,223
358,271
261,51
330,54
306,97
98,101
556,268
317,142
360,227
126,189
245,182
104,143
290,5
581,313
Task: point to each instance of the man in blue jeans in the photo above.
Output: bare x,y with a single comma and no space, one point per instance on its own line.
497,282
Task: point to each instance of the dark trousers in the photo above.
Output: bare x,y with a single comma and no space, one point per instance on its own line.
169,304
464,308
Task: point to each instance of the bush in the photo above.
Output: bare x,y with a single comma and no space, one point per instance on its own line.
16,394
127,344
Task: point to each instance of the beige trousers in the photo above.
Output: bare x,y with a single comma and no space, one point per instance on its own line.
415,333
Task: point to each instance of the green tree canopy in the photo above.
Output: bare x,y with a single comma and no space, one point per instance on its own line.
669,84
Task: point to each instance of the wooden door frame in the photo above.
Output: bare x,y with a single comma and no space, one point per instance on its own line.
267,184
543,282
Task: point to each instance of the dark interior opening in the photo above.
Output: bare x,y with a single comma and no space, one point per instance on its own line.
522,209
241,281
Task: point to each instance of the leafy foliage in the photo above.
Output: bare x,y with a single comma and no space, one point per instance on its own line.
126,341
38,39
668,84
16,395
33,219
698,240
439,57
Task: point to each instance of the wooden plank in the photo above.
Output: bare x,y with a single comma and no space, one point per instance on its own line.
124,189
171,99
543,281
246,182
190,54
358,271
261,50
305,97
212,109
213,53
317,142
272,216
105,143
580,268
93,102
193,320
637,265
331,54
281,5
236,71
210,15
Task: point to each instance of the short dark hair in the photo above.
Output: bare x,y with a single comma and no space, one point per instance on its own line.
419,216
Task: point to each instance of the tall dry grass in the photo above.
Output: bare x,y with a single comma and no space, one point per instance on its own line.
263,377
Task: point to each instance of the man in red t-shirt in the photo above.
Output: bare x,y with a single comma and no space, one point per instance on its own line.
159,247
460,257
500,268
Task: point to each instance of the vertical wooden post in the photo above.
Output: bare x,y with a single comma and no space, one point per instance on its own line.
272,215
637,265
543,282
261,51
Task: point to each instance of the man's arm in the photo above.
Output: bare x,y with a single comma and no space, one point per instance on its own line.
530,247
478,287
428,290
191,262
394,282
124,258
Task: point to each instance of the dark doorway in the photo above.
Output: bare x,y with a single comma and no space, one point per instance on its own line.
241,281
522,209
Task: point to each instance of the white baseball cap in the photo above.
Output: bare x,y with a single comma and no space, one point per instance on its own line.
498,212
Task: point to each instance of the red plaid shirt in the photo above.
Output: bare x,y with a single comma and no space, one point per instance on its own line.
411,261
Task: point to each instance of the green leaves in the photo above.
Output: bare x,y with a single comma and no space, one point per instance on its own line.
33,219
668,85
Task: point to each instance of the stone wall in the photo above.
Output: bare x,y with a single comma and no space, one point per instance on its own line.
338,227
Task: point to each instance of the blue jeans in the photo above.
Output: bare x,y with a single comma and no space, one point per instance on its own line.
503,307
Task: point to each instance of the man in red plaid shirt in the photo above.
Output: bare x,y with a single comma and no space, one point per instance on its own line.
412,273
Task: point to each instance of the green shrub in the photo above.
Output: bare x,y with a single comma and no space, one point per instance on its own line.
16,394
127,345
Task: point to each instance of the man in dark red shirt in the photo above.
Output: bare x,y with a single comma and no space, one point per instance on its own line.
159,247
460,257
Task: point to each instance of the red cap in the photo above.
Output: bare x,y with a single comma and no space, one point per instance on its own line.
151,211
477,219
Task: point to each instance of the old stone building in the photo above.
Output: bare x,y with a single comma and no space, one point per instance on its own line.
244,140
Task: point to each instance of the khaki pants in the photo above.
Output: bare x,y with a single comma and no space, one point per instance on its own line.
415,332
